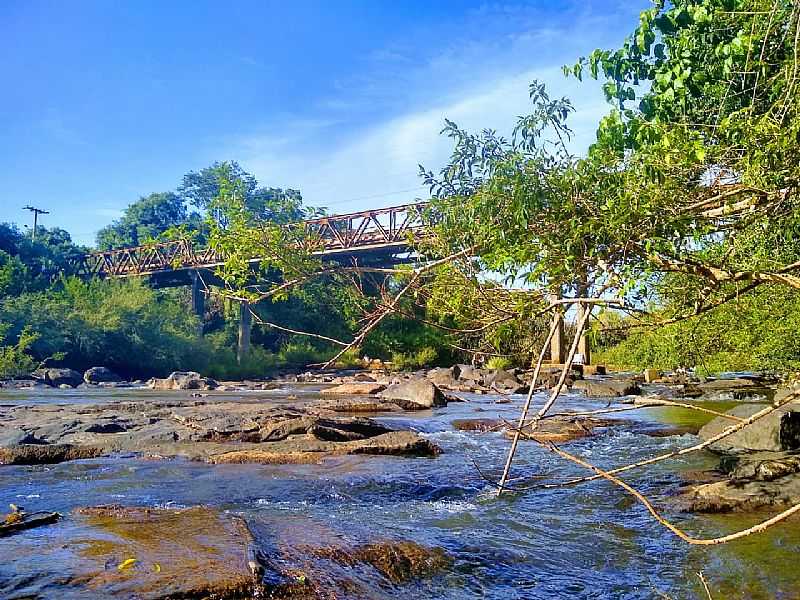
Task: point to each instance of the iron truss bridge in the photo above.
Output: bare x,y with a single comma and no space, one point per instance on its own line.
375,235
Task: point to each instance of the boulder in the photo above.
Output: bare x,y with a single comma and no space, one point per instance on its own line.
777,431
732,389
57,377
443,378
756,480
355,389
468,374
416,394
97,375
481,425
609,388
183,380
502,380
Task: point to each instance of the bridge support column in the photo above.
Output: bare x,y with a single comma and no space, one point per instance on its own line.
583,343
557,353
245,327
198,299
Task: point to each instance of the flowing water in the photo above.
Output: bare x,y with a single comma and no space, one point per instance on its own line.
589,541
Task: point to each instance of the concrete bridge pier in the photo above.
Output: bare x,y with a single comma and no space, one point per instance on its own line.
245,327
557,350
583,343
198,299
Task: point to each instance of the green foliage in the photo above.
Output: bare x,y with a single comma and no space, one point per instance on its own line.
145,220
301,353
28,265
15,359
499,362
424,357
203,189
13,275
754,332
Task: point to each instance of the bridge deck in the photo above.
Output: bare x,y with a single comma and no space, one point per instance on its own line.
379,234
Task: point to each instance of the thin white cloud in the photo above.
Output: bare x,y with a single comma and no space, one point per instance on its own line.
384,158
476,81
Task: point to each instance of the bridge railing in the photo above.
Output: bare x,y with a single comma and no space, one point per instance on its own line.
385,227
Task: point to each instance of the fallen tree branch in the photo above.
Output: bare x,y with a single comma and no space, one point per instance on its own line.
657,516
722,435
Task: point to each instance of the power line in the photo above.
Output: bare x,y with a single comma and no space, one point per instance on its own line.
420,187
36,212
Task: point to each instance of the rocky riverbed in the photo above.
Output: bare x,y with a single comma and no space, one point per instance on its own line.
298,489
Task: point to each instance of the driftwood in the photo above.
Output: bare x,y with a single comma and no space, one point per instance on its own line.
29,521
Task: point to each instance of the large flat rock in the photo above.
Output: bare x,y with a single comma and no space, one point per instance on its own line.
197,430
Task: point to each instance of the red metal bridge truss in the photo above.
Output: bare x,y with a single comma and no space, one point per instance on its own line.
380,232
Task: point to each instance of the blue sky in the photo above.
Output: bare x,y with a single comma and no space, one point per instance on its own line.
104,102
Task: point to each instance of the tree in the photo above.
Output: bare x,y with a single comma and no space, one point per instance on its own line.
145,220
201,188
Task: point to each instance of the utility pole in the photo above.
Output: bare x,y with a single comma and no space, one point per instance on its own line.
36,212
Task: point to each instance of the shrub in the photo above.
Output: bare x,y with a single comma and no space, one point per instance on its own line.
499,362
15,360
425,356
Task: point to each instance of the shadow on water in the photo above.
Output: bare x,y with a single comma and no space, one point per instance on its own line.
588,541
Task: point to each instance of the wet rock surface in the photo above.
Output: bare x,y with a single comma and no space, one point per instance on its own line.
204,430
754,481
777,431
563,429
553,429
399,562
147,553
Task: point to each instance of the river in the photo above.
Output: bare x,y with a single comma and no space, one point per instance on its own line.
589,541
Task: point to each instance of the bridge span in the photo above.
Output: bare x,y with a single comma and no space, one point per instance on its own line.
378,235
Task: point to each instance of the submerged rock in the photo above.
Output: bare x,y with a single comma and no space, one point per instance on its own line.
399,562
147,553
481,425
